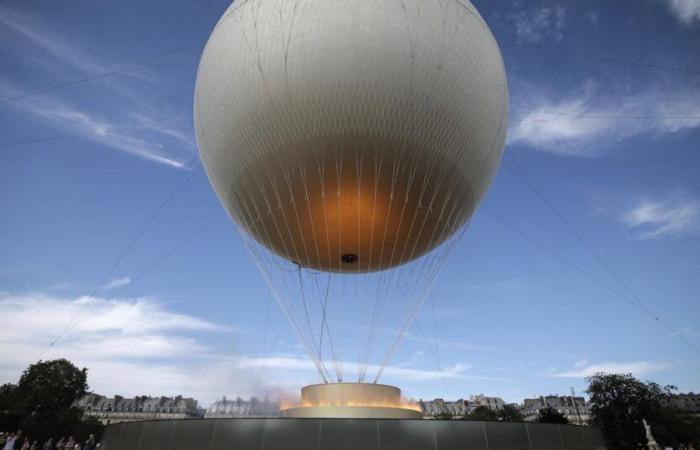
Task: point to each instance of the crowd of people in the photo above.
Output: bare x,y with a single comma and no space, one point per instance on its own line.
17,441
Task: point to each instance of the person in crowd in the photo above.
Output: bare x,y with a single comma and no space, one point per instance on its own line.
48,445
60,445
25,444
15,441
70,444
35,445
77,446
90,443
9,441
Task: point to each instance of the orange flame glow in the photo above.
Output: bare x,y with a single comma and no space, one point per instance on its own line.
284,405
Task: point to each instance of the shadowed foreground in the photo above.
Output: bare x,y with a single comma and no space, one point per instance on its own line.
347,434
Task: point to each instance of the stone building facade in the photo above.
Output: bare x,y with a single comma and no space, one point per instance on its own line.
432,408
574,408
688,402
461,407
254,407
492,403
121,409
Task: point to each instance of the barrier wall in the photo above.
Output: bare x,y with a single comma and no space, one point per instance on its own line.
347,434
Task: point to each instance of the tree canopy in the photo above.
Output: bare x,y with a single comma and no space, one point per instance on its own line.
481,413
509,413
551,415
48,387
619,402
41,403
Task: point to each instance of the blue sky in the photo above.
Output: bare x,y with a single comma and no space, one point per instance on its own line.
605,123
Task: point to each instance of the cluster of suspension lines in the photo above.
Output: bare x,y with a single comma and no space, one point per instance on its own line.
321,304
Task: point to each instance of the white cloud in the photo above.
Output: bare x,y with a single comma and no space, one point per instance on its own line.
590,123
672,214
60,286
52,52
459,312
144,138
490,287
447,343
302,364
688,331
119,117
117,283
532,25
129,345
274,376
638,368
138,346
99,330
48,42
686,11
656,219
46,316
592,17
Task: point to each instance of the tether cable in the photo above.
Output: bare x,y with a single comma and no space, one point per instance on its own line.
588,274
93,77
124,253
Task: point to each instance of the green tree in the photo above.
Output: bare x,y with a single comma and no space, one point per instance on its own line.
481,413
50,387
7,395
42,401
672,427
619,402
509,413
444,416
9,420
551,415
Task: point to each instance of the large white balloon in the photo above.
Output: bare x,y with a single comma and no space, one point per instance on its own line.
351,135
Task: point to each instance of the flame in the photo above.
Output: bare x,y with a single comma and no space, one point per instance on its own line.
402,405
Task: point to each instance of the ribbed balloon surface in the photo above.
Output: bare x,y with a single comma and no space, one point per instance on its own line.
351,136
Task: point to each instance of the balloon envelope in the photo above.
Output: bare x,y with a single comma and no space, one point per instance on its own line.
351,136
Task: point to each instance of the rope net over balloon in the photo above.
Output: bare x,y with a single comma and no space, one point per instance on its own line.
350,244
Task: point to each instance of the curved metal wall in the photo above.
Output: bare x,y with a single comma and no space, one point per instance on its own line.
347,434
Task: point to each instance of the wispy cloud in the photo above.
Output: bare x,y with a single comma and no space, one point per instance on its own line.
459,313
688,331
52,52
539,22
132,346
656,219
120,117
448,343
145,138
583,369
60,286
117,283
48,42
590,122
671,214
686,11
592,17
490,287
136,336
47,315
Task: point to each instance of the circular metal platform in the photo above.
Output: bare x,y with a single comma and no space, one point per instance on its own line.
352,401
